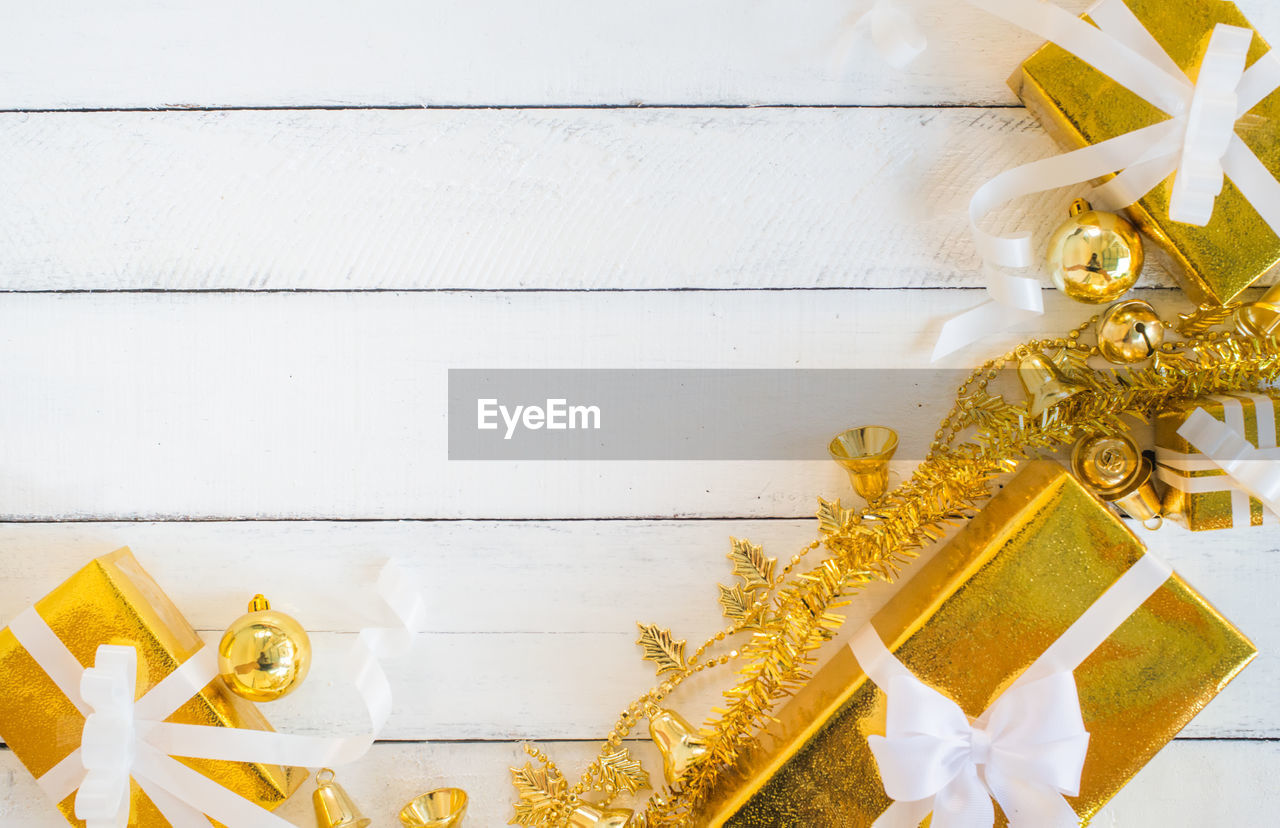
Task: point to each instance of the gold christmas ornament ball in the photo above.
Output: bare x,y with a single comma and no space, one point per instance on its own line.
1095,257
1130,332
264,655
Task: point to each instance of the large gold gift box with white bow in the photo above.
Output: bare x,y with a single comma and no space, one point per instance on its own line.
1080,106
114,601
969,622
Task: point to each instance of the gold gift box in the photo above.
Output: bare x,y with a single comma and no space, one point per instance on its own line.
114,601
1201,511
1079,106
970,621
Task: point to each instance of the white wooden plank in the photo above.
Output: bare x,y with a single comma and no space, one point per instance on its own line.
59,54
328,405
475,199
546,607
1188,783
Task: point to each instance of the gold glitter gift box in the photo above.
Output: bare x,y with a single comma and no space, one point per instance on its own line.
968,623
1079,106
1198,493
114,601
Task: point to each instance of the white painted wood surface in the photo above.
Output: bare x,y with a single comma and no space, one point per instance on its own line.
333,405
519,199
326,409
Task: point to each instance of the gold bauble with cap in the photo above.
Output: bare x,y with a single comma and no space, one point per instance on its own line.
265,654
1130,332
1095,257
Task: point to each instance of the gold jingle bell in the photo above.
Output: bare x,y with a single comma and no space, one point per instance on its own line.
864,453
1130,332
1261,318
1044,387
589,816
265,654
680,744
441,808
334,808
1107,465
1095,257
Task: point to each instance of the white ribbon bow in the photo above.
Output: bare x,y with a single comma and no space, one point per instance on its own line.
108,744
1027,751
1254,470
894,33
123,739
1198,143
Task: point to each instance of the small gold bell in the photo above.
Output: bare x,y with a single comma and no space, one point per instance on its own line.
589,816
265,654
334,808
1261,318
1044,387
1139,499
677,740
1095,257
864,453
1130,332
441,808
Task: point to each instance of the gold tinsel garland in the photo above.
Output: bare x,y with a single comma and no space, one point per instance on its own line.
790,617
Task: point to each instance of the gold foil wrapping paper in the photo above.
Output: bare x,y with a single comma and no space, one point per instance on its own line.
114,601
1200,511
1080,106
968,623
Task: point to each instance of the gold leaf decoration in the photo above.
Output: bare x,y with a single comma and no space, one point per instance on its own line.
539,791
618,771
660,648
834,518
737,603
750,564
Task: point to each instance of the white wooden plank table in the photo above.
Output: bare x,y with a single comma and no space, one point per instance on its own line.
242,245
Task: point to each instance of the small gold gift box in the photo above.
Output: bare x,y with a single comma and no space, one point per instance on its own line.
969,623
1199,494
114,601
1079,106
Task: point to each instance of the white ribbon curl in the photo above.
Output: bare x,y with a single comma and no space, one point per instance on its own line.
1027,751
1198,143
124,739
1222,445
895,34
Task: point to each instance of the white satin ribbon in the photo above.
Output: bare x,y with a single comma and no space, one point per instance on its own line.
124,739
894,33
1222,445
1026,751
1198,142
